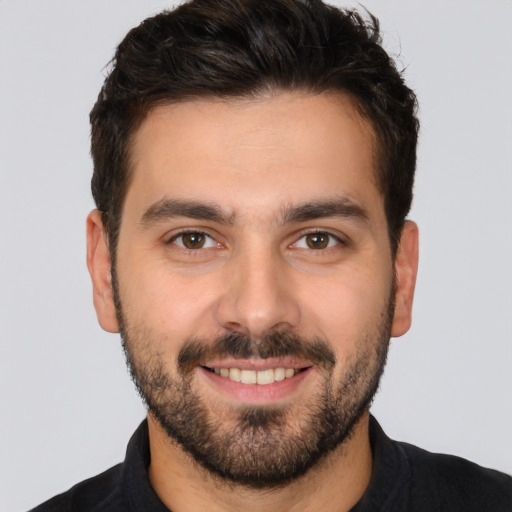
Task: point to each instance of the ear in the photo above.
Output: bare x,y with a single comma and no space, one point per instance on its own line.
99,265
406,268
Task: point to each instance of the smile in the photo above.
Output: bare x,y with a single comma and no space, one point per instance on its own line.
262,377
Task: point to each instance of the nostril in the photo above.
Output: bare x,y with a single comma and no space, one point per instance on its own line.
236,327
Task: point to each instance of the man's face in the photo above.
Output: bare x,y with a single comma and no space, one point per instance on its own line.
254,279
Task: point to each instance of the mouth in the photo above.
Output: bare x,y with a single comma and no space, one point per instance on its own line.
257,381
262,377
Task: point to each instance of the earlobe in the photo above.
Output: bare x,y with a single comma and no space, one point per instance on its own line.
99,265
406,268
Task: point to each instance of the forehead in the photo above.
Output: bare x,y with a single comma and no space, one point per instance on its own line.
254,154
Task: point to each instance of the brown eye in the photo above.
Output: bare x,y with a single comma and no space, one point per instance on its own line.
318,240
193,240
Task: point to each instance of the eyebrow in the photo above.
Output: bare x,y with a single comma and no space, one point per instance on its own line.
166,209
343,208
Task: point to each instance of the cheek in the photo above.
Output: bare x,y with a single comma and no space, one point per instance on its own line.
347,309
168,303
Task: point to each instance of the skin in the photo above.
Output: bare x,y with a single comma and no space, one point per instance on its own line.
253,159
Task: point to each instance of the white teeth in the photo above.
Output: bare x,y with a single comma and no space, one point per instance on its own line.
234,374
265,377
279,374
248,377
261,377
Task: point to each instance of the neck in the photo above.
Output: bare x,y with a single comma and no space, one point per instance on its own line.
334,485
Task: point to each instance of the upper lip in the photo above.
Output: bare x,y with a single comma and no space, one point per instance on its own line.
258,364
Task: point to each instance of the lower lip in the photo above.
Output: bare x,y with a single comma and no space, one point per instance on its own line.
257,393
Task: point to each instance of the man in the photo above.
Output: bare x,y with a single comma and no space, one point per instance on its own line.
254,165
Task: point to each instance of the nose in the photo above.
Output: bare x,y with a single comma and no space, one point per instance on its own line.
259,295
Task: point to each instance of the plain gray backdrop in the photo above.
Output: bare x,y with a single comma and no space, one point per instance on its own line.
68,406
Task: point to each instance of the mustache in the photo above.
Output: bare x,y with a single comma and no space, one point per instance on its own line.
239,346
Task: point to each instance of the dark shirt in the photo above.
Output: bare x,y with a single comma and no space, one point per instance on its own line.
405,478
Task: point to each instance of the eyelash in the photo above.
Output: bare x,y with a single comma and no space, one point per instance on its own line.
181,234
338,241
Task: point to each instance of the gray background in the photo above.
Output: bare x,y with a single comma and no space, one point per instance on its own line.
67,404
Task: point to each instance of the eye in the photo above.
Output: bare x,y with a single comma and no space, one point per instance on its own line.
317,240
193,240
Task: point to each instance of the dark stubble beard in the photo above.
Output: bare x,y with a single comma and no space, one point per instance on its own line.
257,447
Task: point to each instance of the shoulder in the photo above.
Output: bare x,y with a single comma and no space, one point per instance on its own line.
120,488
456,483
97,494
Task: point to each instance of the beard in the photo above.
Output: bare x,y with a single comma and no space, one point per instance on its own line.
258,447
